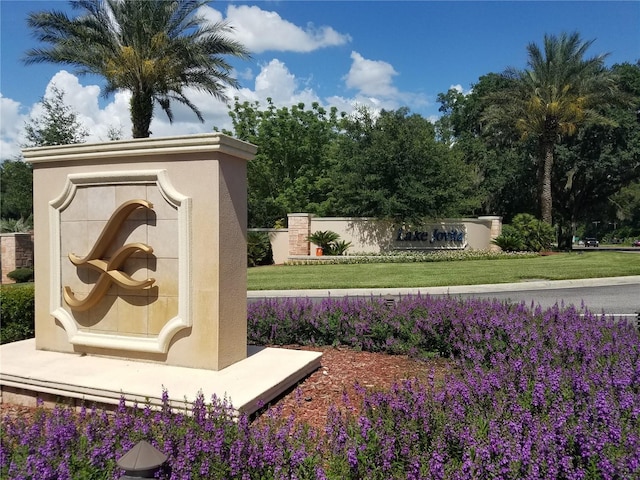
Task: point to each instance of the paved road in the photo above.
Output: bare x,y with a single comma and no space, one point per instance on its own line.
613,299
616,296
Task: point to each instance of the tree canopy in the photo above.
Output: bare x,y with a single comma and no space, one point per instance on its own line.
391,166
16,189
58,124
398,165
559,139
155,49
551,99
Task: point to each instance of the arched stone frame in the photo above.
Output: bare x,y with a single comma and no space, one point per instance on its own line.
159,343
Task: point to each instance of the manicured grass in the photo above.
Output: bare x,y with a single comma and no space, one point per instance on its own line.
562,266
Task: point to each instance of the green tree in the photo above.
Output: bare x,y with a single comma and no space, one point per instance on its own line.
58,124
626,210
290,172
154,49
16,187
600,160
501,174
550,99
391,166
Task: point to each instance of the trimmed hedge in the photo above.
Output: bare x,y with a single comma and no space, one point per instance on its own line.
17,311
21,275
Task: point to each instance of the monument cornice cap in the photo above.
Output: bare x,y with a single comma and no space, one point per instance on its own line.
200,143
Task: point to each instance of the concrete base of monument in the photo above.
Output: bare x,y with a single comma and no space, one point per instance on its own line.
27,374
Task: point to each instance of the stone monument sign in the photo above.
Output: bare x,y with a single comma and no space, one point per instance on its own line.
140,249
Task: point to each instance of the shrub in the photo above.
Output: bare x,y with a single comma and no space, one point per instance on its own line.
509,240
17,311
12,225
21,275
536,234
526,233
413,257
258,249
329,242
339,247
367,324
211,443
323,239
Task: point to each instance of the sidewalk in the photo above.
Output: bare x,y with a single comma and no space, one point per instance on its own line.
453,290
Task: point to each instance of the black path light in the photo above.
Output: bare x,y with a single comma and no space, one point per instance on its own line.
389,300
142,461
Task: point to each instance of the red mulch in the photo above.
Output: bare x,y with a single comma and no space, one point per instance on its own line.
341,369
333,383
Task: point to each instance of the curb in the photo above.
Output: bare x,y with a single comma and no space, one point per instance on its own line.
500,287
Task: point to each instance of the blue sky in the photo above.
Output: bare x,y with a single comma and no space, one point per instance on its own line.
381,54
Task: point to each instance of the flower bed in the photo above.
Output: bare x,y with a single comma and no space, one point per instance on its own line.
410,256
536,394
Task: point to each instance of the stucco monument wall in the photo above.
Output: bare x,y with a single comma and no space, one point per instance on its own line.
370,235
140,249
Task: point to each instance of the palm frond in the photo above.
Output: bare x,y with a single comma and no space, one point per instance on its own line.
153,48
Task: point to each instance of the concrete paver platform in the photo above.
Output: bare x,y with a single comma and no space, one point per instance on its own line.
248,384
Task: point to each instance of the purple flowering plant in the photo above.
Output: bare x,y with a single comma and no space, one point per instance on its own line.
535,394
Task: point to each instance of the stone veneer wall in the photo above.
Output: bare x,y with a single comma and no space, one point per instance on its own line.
299,230
16,251
496,230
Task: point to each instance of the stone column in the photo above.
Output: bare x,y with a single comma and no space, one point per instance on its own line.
299,231
495,223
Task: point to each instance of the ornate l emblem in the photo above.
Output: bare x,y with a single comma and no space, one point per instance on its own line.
110,269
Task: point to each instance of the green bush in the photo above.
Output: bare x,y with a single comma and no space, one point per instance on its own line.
536,234
17,310
339,247
329,242
525,234
509,240
259,250
21,275
20,225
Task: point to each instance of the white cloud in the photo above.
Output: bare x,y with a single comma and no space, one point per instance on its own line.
260,30
11,127
83,100
246,74
371,77
374,82
275,81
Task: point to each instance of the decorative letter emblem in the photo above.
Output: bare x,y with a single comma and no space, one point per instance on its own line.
110,269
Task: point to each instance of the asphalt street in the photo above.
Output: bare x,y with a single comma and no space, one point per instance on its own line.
618,296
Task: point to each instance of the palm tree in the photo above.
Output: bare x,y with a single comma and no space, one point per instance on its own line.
558,92
153,48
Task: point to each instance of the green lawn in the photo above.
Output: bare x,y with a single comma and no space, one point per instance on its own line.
562,266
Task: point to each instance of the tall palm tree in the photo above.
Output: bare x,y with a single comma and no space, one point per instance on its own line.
558,92
153,48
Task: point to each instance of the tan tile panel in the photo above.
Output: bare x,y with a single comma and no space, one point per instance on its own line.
101,202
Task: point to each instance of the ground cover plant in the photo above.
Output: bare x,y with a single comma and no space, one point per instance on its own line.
534,394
